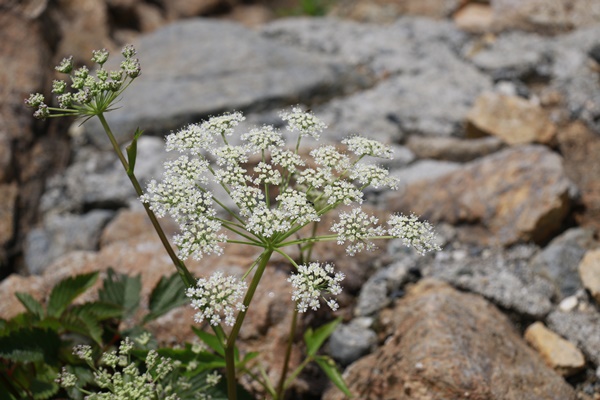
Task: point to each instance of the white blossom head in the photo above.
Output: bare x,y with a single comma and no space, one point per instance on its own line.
362,146
413,233
356,229
303,122
216,298
312,282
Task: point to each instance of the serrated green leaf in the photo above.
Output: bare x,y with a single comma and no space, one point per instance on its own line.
132,150
123,290
101,310
328,366
31,304
30,345
78,321
42,385
210,340
67,290
168,294
315,339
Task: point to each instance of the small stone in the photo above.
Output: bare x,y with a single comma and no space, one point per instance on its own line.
569,303
557,352
350,342
511,118
589,272
474,17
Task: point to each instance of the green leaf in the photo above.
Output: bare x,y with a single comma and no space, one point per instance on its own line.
101,310
210,340
315,339
67,290
168,294
30,345
334,375
79,321
31,304
123,290
132,151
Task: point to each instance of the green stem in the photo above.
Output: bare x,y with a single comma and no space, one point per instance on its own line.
184,273
230,347
288,353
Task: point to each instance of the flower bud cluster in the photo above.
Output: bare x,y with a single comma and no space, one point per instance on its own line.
92,95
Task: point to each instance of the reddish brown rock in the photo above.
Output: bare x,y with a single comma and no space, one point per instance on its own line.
561,355
444,344
512,119
8,202
580,148
518,194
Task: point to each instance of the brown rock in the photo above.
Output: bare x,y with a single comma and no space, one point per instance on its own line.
474,17
580,148
517,194
177,9
251,15
150,17
390,10
453,149
84,26
8,202
444,344
512,119
589,272
545,16
558,353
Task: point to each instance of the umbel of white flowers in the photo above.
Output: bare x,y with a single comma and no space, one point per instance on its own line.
274,199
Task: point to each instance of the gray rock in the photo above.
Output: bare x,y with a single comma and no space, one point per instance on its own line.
349,342
514,55
581,328
503,277
381,288
453,149
62,234
97,178
200,67
559,260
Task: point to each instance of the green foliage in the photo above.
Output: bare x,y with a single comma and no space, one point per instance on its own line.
313,8
35,344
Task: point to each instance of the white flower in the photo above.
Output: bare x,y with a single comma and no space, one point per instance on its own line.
328,156
192,138
230,155
415,233
264,138
356,227
315,178
266,222
265,174
342,192
200,236
286,159
232,175
247,198
369,174
311,282
191,169
216,297
366,147
303,122
297,207
223,124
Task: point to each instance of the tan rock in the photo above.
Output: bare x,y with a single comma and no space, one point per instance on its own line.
589,272
444,344
517,194
557,352
580,148
452,149
389,10
511,118
474,17
545,16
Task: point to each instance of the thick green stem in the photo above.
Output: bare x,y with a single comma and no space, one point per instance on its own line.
288,353
184,273
230,347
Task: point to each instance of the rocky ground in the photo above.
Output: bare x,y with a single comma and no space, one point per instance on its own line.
493,110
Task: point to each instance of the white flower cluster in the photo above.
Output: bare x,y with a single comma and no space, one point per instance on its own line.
413,233
217,296
356,228
311,282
